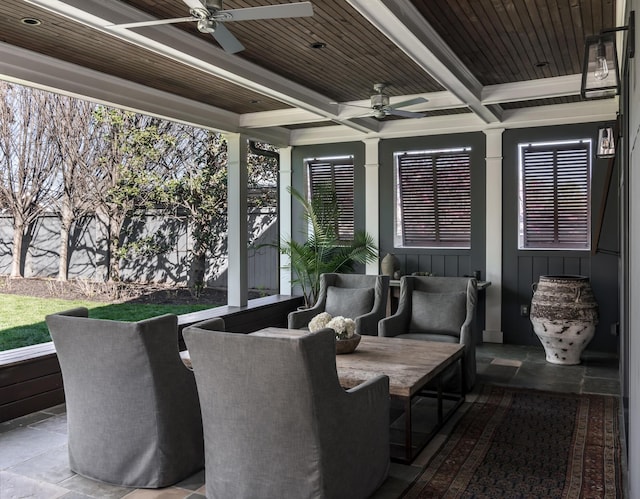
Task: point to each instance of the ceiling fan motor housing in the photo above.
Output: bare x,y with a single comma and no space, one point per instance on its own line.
207,25
379,101
213,4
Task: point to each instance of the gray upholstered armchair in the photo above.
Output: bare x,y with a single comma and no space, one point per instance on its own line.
437,309
132,405
362,298
277,423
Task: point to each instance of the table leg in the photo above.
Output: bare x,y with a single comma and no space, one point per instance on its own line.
439,398
408,437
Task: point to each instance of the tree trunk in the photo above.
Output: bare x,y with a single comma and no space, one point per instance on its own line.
116,222
114,245
65,229
196,273
16,253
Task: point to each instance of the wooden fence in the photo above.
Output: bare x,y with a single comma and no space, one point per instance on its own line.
89,243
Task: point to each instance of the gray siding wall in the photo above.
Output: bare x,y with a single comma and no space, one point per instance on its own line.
442,262
522,268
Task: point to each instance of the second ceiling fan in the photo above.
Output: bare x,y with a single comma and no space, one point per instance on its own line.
210,16
381,106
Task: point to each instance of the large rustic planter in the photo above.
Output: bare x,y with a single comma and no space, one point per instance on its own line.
564,314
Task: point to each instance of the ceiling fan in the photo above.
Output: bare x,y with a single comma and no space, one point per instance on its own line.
210,16
381,107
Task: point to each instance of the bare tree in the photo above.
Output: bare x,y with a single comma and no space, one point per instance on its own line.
76,143
28,160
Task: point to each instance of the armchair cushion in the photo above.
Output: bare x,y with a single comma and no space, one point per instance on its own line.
441,313
349,302
360,297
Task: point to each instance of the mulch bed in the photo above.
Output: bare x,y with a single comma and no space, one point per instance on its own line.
116,292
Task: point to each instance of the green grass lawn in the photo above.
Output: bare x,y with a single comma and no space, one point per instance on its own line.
22,317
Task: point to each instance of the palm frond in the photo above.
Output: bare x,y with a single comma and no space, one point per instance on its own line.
323,252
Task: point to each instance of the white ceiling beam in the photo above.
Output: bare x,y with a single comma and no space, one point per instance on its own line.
403,24
562,114
439,125
559,114
543,88
182,47
347,110
279,117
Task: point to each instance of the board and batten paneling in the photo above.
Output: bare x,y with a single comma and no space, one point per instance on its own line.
522,268
449,262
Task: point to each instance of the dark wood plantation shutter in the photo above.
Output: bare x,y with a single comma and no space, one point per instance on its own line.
435,198
556,182
337,173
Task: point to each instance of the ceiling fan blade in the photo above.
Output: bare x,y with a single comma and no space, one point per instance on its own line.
300,9
226,39
195,4
404,114
350,105
153,23
410,102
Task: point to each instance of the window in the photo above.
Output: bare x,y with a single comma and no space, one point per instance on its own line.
555,197
433,191
335,176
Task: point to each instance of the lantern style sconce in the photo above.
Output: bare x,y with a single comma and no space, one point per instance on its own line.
606,143
600,75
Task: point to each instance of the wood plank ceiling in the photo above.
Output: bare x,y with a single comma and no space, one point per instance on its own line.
455,53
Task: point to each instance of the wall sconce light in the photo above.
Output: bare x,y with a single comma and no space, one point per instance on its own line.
606,143
600,75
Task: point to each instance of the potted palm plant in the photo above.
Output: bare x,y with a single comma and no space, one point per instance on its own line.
323,251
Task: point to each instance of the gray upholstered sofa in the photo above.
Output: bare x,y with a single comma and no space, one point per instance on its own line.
362,298
132,405
437,309
277,423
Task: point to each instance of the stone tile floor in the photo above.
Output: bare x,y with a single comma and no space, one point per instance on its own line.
33,448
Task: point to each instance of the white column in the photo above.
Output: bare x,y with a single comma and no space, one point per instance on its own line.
372,191
493,302
284,216
237,241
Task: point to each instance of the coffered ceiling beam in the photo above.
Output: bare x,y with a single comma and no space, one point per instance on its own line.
347,110
187,49
403,24
559,114
543,88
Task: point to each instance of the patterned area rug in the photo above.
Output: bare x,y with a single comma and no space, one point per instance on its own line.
520,443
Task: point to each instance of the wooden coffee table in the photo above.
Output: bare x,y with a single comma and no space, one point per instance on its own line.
410,365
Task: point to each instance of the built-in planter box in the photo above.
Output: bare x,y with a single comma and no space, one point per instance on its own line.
30,378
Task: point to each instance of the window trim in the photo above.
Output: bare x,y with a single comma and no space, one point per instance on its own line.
333,162
399,232
554,146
